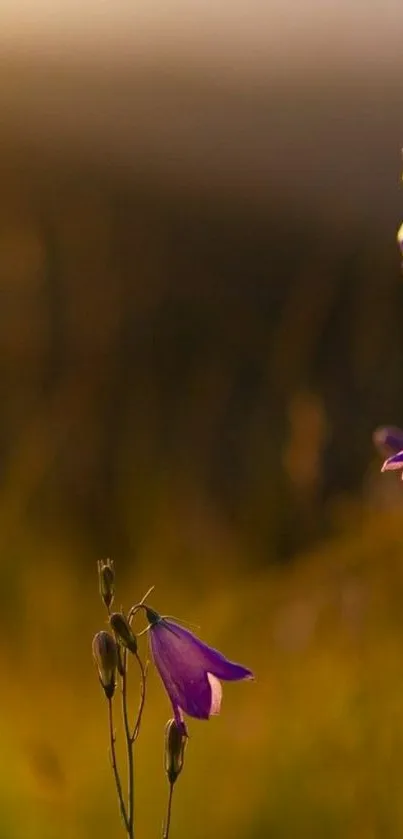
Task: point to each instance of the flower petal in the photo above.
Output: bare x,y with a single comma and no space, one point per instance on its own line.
216,694
187,684
188,646
394,462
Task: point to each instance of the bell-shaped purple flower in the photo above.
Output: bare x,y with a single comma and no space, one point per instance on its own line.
389,441
189,669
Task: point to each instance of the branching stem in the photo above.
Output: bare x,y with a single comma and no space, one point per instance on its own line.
129,751
143,671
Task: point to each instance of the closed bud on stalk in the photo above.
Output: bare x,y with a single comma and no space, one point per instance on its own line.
105,652
123,631
175,743
106,575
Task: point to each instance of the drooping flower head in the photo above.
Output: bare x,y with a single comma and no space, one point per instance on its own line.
189,669
389,441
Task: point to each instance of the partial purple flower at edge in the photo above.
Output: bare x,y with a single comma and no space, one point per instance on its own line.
189,669
388,440
394,462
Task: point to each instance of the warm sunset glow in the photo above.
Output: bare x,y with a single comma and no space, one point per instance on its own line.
239,34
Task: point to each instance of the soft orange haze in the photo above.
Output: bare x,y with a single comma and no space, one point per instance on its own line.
200,328
236,36
260,100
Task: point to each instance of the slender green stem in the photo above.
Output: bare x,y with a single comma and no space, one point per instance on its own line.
112,743
129,750
136,608
167,825
143,671
130,737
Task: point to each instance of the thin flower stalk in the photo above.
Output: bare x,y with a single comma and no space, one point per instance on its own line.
129,749
167,823
118,783
143,687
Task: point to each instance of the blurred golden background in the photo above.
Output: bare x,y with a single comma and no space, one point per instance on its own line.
200,328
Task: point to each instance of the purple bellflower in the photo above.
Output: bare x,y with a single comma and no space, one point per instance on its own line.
389,441
189,669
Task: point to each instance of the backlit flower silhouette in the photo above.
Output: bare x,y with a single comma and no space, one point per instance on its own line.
189,669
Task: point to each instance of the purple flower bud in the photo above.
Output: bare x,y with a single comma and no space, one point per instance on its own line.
400,237
175,743
106,575
104,650
123,631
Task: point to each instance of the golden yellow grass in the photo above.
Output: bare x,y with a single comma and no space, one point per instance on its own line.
313,747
